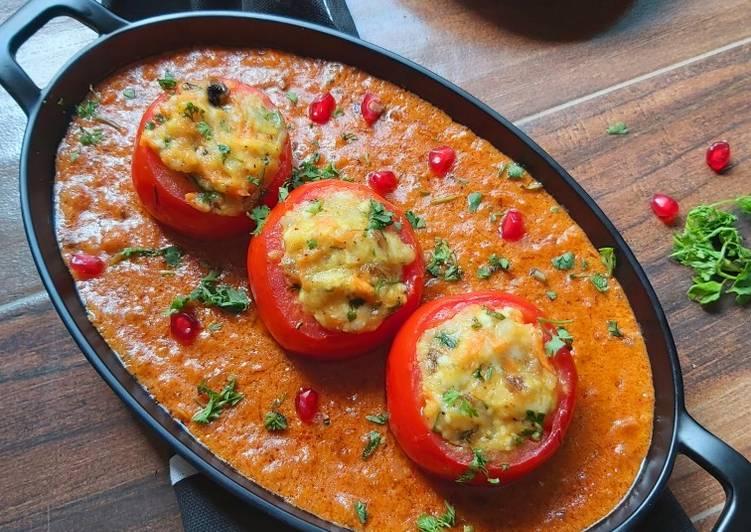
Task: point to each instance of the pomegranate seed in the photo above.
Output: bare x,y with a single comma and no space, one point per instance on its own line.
718,156
321,108
440,159
512,227
86,266
306,404
371,108
665,207
184,327
382,182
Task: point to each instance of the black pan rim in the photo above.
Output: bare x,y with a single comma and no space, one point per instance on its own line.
187,451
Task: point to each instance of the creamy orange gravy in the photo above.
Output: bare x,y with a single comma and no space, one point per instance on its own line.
316,467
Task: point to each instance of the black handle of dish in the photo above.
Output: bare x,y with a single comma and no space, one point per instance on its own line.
27,21
725,464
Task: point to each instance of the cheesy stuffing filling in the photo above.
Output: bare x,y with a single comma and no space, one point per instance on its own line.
231,151
348,274
486,380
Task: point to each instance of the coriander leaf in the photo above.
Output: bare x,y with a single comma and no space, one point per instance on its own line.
433,523
224,150
259,215
283,193
167,82
347,137
129,93
613,329
274,421
558,341
565,261
217,401
473,201
515,171
214,327
443,262
88,108
607,257
308,171
204,130
551,295
456,399
171,255
415,221
378,217
477,465
378,419
448,340
600,282
91,138
361,509
374,439
209,293
705,292
742,286
315,207
744,204
618,128
292,97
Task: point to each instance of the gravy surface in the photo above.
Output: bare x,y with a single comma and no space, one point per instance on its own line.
319,467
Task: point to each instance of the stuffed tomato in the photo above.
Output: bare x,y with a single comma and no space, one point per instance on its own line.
335,270
207,153
480,389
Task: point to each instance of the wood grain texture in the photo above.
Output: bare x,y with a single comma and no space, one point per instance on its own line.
672,119
82,462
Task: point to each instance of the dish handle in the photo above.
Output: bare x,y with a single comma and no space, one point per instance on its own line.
28,20
728,466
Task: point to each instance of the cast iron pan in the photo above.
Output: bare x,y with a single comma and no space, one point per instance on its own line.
121,43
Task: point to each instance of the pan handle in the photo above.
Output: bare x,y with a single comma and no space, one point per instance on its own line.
724,463
27,21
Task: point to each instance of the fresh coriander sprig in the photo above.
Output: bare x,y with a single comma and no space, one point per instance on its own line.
217,401
209,292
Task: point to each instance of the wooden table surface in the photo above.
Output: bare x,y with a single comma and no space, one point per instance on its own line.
677,72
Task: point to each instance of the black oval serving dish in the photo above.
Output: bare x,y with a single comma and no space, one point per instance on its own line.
121,43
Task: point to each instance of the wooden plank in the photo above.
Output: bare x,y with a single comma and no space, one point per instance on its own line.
73,457
523,57
672,119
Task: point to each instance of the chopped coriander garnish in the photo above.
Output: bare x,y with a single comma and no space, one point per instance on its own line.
210,293
216,401
167,82
478,465
283,193
473,201
129,93
88,108
552,295
205,130
74,155
607,256
214,327
91,138
443,262
315,207
312,243
308,171
483,374
170,254
378,419
374,439
338,112
613,329
534,421
600,282
274,421
378,217
495,263
292,97
618,128
224,150
347,137
447,339
259,215
437,523
515,171
494,313
558,341
565,261
191,110
415,221
361,509
456,399
712,246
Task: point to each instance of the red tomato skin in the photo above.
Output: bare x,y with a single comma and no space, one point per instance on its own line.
293,328
162,190
403,388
